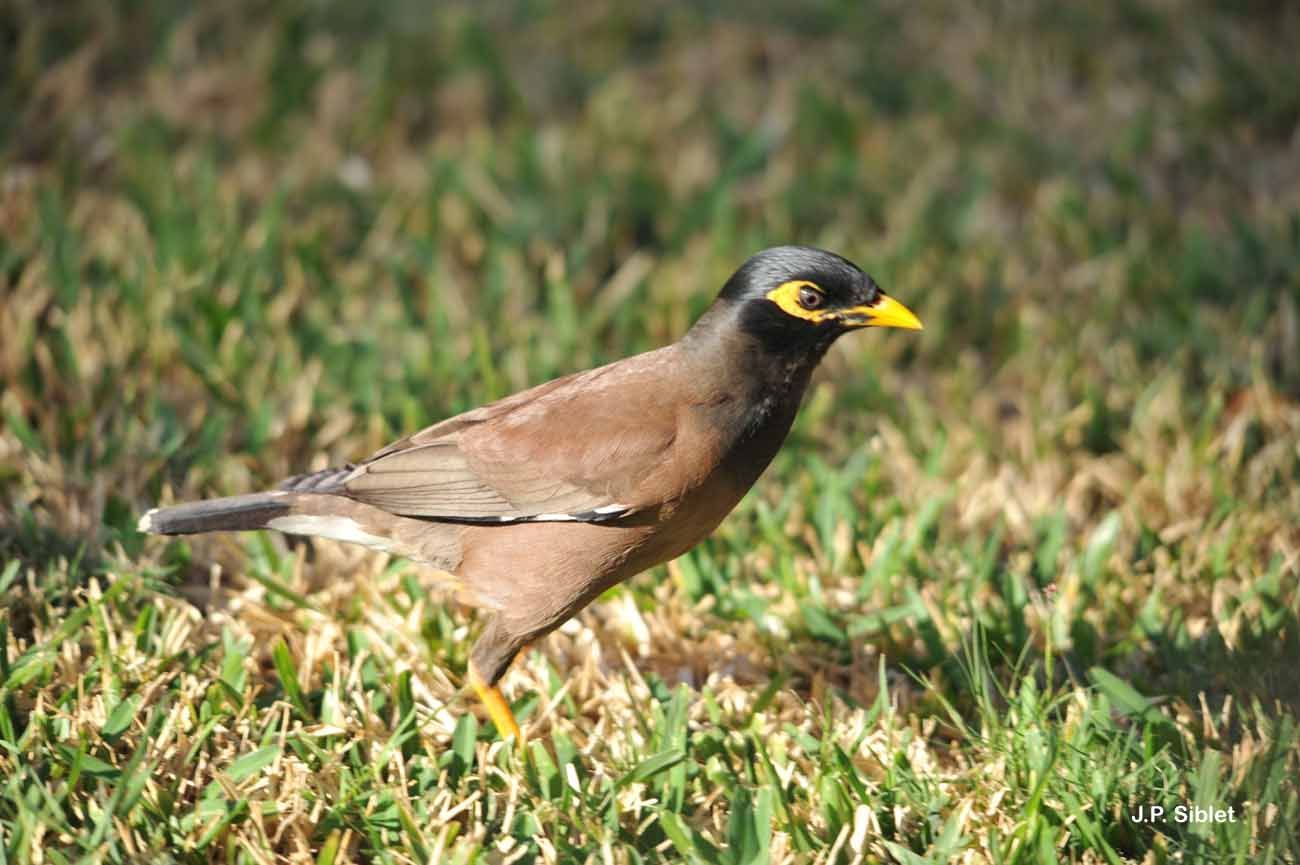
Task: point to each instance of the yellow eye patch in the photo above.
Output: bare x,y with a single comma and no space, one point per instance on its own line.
786,296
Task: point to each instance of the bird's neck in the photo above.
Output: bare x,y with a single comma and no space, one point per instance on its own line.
749,390
722,347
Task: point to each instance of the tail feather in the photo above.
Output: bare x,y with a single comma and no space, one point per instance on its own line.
231,514
314,514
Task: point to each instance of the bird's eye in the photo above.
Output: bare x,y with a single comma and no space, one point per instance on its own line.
810,298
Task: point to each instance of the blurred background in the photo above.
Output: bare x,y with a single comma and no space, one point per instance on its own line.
239,240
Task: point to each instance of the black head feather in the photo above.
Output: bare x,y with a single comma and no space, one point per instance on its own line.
744,303
843,281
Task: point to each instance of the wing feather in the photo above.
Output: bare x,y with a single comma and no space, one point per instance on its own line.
578,448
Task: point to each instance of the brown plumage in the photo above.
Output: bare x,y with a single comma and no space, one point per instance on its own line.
540,501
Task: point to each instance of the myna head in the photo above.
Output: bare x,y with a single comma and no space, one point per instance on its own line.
796,300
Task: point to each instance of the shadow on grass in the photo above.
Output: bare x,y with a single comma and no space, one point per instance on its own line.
1261,665
54,566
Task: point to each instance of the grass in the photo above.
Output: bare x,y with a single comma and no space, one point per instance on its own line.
1009,580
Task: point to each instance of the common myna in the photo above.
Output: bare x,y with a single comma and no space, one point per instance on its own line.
538,502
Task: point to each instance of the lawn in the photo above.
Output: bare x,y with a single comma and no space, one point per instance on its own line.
1013,581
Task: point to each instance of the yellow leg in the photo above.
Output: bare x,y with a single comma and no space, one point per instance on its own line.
496,705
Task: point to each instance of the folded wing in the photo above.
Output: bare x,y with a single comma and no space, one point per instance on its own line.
527,459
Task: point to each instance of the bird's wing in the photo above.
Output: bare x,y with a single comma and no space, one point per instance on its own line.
586,447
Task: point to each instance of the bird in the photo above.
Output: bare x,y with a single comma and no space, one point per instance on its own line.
537,503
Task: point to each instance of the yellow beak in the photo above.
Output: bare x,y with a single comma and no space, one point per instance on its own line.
885,312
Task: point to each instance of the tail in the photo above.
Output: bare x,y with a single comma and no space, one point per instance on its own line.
231,514
302,507
241,513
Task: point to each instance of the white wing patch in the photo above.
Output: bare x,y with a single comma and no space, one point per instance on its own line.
601,514
595,515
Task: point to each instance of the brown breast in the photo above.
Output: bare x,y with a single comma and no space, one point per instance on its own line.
539,574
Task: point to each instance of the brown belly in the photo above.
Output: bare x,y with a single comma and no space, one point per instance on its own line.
537,575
